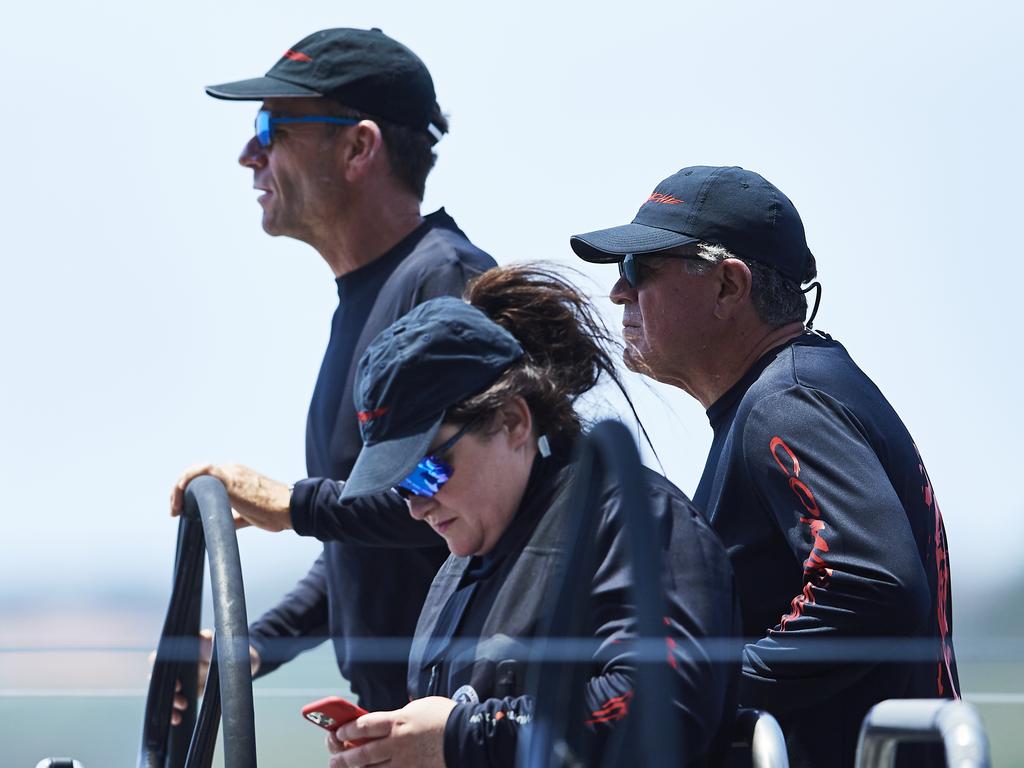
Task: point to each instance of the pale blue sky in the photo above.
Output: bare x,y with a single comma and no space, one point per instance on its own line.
149,323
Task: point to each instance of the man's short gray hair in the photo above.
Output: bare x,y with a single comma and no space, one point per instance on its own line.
777,299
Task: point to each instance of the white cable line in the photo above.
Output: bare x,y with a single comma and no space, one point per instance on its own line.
980,697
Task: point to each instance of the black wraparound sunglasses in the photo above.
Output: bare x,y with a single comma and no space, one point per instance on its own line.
631,269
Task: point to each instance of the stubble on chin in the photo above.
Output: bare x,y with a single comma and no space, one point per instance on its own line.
634,361
630,358
273,226
267,220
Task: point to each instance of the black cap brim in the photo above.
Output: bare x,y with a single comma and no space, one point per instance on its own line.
382,466
608,245
259,88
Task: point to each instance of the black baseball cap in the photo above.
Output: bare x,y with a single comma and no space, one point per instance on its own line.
361,68
436,356
728,206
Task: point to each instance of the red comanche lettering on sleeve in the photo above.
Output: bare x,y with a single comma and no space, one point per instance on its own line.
816,572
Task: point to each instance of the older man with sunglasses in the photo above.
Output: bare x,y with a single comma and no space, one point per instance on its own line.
342,146
812,482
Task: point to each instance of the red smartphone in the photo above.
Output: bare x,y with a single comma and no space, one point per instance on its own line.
332,712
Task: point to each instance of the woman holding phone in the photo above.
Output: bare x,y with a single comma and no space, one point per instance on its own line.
467,411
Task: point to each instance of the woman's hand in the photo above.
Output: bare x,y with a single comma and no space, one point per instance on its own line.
255,498
411,736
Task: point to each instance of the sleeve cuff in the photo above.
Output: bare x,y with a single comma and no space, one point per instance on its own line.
454,734
303,503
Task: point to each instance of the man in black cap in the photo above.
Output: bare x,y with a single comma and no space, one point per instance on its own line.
813,482
342,147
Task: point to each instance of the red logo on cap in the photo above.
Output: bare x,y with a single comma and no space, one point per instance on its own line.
365,416
658,197
296,56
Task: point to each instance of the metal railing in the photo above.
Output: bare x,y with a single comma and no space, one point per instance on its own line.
954,724
757,741
206,524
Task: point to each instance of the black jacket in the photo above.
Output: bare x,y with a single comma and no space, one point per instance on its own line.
467,643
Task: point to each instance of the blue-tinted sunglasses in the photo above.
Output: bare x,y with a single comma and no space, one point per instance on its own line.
431,472
265,122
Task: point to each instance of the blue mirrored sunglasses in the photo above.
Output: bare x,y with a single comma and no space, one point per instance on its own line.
431,472
265,122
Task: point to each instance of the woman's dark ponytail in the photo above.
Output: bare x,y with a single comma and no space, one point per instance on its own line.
568,348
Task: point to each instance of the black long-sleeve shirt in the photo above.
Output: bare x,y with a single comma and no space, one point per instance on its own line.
819,493
355,594
369,521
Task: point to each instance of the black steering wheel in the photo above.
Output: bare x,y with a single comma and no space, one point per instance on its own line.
205,525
